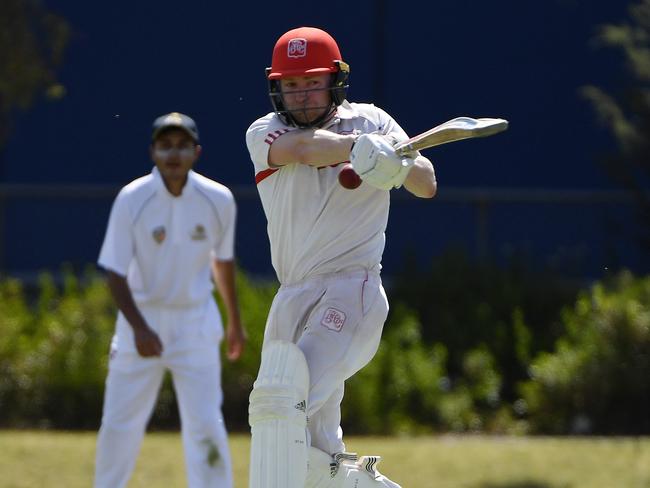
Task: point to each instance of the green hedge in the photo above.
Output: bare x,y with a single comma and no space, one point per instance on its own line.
585,372
407,389
53,352
511,309
597,378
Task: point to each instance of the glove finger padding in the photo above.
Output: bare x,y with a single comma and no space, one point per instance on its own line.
389,172
366,150
375,161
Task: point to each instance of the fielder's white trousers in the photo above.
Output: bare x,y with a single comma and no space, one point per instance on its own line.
191,353
337,321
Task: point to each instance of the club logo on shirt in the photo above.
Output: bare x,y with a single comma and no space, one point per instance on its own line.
297,48
198,234
159,234
333,319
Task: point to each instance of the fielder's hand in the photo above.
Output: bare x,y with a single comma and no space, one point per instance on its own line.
235,339
374,160
147,342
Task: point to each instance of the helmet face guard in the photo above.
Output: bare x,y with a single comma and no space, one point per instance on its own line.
306,51
338,89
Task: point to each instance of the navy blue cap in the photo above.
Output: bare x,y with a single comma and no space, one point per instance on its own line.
175,120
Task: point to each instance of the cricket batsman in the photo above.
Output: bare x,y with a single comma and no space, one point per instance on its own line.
326,241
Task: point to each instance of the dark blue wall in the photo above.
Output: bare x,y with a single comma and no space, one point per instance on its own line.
424,62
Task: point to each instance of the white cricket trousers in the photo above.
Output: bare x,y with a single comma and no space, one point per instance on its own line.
191,353
337,321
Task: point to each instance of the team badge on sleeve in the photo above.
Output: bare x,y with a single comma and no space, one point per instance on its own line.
159,234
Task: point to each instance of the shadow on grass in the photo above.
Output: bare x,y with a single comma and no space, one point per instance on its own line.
519,484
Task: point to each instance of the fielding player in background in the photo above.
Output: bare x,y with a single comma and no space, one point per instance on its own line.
326,242
169,232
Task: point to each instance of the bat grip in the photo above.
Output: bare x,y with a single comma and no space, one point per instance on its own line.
402,150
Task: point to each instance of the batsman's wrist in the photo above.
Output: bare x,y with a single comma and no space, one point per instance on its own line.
354,141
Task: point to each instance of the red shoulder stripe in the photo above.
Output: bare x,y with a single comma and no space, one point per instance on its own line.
264,174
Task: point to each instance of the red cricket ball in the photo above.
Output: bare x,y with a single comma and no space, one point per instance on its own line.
348,178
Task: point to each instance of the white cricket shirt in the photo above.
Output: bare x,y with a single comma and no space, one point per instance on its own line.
316,226
164,244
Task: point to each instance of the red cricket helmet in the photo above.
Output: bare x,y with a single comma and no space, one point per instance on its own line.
304,51
301,52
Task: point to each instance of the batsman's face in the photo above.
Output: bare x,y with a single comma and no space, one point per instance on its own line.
174,153
306,97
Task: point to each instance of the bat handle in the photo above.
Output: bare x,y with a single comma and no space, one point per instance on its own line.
401,150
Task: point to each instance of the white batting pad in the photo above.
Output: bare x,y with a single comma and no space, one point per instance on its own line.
278,419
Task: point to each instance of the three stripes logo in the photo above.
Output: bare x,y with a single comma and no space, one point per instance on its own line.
339,458
367,463
302,406
370,465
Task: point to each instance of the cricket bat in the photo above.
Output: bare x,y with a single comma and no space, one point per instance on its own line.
453,130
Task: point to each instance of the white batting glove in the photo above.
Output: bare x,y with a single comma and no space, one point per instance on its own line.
374,160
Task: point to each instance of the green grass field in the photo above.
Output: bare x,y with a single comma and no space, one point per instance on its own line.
31,459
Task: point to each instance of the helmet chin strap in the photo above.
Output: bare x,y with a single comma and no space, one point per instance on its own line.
317,122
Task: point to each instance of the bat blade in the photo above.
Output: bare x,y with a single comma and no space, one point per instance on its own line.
453,130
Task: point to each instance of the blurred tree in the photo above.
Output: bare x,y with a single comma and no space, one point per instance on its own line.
32,43
596,378
627,115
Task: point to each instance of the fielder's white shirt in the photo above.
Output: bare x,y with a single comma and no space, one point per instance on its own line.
315,225
164,244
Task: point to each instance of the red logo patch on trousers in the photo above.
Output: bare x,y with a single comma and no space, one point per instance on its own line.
333,319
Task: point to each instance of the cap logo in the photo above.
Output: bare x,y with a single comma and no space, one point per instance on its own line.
174,118
297,48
